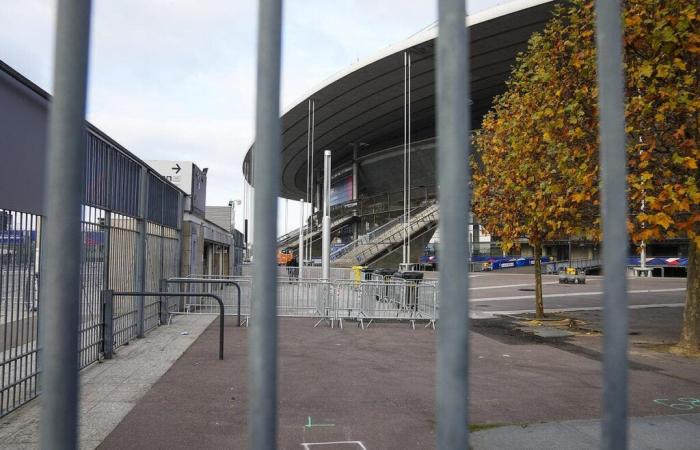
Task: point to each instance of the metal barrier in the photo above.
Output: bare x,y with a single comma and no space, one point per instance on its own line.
397,299
18,315
206,282
109,296
304,298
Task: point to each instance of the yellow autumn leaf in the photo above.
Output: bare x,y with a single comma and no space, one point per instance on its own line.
646,69
662,219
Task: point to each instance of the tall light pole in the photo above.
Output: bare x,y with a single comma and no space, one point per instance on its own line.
326,238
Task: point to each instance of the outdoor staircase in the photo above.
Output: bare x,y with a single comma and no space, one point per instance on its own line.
385,238
291,239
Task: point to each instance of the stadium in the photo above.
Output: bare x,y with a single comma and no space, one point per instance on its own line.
377,118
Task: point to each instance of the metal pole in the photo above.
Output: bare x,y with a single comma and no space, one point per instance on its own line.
301,237
108,326
141,244
408,173
405,86
613,186
60,280
262,409
179,244
326,237
310,246
453,177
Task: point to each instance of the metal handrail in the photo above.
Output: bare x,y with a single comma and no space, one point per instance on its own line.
369,237
413,225
181,294
294,234
210,281
417,218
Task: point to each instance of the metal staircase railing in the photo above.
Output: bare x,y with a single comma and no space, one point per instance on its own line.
385,236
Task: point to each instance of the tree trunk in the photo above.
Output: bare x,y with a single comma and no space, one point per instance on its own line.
690,333
539,304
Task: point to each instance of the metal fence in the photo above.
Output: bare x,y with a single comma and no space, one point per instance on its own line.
364,301
114,254
60,408
18,309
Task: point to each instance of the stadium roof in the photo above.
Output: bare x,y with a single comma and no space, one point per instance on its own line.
363,105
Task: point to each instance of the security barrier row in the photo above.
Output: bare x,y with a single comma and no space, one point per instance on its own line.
390,299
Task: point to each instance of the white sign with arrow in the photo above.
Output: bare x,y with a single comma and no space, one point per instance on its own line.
177,172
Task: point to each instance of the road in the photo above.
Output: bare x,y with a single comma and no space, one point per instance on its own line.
505,292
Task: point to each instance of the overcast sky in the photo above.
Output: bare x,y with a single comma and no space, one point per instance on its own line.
174,79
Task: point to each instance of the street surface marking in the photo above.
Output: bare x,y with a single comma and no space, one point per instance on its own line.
509,285
681,403
307,445
309,424
491,314
573,294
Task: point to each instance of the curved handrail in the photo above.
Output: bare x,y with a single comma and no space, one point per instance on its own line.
185,294
211,281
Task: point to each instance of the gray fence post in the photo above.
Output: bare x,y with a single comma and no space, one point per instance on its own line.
262,409
60,280
141,250
179,245
613,188
107,230
164,301
108,324
452,84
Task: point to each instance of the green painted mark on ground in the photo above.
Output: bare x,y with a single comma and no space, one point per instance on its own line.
310,424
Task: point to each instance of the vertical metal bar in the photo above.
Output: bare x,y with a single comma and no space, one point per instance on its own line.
179,244
164,301
262,412
106,254
408,163
108,316
613,186
326,221
141,243
61,269
310,244
453,177
405,139
302,205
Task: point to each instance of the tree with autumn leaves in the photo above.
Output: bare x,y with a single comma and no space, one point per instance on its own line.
536,170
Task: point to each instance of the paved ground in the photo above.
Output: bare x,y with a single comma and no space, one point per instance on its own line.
680,432
499,292
110,389
376,387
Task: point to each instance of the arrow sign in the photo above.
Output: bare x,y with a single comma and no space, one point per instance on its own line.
176,168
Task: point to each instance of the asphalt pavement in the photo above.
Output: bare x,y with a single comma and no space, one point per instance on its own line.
374,388
509,292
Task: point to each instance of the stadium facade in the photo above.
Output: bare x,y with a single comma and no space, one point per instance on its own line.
375,117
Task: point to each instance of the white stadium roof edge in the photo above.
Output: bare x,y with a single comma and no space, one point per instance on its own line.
363,105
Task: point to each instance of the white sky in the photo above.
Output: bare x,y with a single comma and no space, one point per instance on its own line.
174,79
